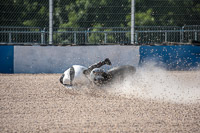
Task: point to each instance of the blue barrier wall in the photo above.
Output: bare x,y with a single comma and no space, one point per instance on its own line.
6,59
179,57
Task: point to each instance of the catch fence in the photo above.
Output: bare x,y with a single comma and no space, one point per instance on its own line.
98,21
109,35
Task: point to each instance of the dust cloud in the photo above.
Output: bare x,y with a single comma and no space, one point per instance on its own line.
158,84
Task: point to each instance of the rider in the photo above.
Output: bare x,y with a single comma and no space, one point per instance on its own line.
78,74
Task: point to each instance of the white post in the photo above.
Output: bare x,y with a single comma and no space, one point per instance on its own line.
165,36
10,37
50,21
105,39
74,37
43,36
132,22
195,36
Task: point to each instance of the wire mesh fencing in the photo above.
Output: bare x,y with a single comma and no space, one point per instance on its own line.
33,13
167,12
109,35
16,35
99,21
106,35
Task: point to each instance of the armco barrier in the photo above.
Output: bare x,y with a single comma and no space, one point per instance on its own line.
178,57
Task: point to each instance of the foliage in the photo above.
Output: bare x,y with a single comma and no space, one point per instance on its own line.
101,13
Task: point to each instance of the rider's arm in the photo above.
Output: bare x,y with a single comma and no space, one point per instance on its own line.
97,65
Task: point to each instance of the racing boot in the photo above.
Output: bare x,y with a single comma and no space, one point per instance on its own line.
107,61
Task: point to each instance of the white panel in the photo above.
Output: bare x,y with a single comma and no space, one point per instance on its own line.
56,59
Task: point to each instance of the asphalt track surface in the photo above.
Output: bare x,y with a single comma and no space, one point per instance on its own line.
39,103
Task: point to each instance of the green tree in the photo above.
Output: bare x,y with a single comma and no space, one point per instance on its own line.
170,12
10,13
87,13
104,13
35,13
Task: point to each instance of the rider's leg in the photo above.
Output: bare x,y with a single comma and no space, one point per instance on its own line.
97,65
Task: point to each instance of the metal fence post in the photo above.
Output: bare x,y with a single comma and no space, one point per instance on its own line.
165,36
88,35
43,36
105,39
10,37
136,37
85,37
132,21
50,21
195,36
181,34
74,37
